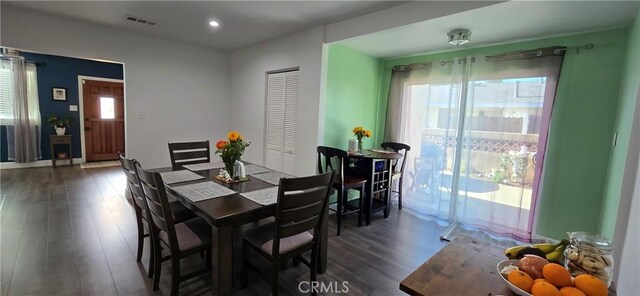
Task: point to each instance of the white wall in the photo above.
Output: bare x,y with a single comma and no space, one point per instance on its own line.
248,85
182,89
627,233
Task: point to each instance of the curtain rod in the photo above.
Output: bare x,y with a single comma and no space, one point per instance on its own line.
6,57
537,52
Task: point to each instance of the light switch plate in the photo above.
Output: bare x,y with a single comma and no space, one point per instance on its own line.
140,114
73,108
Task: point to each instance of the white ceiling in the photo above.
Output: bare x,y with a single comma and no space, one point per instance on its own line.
242,23
504,22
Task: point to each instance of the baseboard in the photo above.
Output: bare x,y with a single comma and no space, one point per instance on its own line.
37,163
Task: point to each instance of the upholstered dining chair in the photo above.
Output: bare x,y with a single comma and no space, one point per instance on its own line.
178,211
333,159
185,153
302,206
398,172
181,239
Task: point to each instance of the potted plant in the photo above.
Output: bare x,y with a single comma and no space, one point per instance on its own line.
360,132
60,124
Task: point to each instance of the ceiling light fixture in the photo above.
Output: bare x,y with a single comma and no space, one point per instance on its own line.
459,37
214,24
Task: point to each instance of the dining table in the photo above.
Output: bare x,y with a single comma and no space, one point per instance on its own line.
224,213
376,166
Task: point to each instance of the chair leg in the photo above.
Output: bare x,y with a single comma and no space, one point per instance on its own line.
175,274
152,257
157,265
400,194
339,210
361,209
314,261
140,241
245,265
275,269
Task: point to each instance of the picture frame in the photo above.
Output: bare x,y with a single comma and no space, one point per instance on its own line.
59,93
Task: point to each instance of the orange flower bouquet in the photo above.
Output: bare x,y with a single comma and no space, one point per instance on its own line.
360,133
231,150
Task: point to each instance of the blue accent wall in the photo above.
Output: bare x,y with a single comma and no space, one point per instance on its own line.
57,71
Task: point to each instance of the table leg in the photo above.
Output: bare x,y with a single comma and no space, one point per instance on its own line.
370,187
222,254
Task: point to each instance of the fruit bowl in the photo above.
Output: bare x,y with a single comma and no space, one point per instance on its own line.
513,288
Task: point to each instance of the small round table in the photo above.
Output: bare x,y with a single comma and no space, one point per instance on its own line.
378,181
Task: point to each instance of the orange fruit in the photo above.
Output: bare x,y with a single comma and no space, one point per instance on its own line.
521,280
544,289
591,285
540,280
571,291
556,274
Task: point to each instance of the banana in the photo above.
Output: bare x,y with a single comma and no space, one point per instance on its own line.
513,252
557,254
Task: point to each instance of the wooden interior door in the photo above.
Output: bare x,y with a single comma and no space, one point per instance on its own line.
103,107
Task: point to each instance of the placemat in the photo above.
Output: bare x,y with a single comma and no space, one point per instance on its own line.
252,169
203,190
263,196
179,176
272,177
204,166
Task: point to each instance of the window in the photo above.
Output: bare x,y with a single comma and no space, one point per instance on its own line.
7,93
107,108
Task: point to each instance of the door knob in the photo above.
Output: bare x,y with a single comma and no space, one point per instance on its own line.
87,128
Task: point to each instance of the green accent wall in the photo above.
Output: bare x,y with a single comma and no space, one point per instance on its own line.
353,81
581,130
623,125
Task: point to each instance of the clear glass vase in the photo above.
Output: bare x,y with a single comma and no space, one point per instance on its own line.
359,144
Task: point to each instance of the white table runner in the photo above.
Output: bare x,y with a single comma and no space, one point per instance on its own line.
263,196
202,191
252,169
179,176
204,166
272,177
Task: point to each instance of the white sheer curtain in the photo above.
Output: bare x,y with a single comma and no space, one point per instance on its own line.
475,126
422,110
21,109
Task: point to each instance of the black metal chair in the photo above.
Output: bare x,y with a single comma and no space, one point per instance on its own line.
179,212
301,207
333,159
185,153
398,173
181,239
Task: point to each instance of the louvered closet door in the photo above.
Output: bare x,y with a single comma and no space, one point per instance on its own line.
282,120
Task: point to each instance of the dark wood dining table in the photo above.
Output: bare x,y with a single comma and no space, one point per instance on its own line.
224,213
378,181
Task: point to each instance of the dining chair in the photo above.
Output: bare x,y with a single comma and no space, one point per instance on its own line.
179,212
302,206
185,153
181,239
398,173
335,160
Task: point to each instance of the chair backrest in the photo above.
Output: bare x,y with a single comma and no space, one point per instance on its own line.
398,148
302,205
332,160
155,195
133,183
185,153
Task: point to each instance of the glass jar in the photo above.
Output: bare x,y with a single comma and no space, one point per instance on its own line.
591,254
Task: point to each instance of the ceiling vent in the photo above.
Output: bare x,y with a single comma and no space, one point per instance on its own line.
139,20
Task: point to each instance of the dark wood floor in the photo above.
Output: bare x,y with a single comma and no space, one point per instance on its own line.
70,231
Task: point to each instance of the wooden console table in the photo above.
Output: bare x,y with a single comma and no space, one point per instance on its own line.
61,140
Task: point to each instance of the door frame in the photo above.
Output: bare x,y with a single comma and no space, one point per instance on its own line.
81,109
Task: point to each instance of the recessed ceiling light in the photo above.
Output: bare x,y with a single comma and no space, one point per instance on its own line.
214,24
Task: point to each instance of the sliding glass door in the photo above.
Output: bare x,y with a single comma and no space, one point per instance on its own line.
477,140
